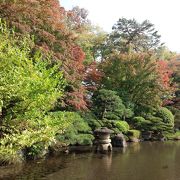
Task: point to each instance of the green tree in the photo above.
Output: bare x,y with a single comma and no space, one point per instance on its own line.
29,90
108,105
135,78
29,86
163,53
129,35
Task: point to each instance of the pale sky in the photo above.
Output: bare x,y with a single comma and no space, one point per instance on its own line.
164,14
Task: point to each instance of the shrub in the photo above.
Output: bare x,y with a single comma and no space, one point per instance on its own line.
108,123
78,132
108,105
128,113
9,155
94,124
116,130
138,119
91,120
34,142
159,122
123,126
134,133
172,136
84,139
158,125
166,115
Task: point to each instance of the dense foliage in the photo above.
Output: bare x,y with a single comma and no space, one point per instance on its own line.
29,91
108,105
135,78
78,133
62,77
45,20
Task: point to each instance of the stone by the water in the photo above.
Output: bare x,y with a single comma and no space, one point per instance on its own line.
119,141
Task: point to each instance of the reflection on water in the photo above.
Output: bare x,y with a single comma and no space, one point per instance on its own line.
139,161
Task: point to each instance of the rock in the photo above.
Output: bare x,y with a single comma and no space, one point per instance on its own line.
177,138
119,141
163,139
133,139
147,136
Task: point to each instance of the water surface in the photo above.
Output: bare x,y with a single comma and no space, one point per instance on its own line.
139,161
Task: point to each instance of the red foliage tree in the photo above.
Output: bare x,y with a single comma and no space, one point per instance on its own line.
165,74
93,76
174,65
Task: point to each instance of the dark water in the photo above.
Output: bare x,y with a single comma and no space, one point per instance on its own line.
139,161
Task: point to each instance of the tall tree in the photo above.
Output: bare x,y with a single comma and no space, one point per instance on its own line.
136,78
129,35
77,19
89,37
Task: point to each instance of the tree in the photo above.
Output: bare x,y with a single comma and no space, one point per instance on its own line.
174,64
77,19
165,74
135,78
108,105
45,21
129,35
163,53
93,77
28,87
89,37
174,103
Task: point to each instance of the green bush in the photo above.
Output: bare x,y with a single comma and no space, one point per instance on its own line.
116,130
141,124
108,105
9,155
158,125
138,119
166,115
128,113
123,126
172,136
90,118
108,123
78,133
94,124
160,121
176,113
84,139
134,133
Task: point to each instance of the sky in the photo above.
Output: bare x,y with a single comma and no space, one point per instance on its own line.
164,14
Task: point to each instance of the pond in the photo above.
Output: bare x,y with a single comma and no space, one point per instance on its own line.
139,161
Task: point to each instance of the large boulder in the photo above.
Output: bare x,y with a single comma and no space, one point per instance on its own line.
119,140
147,135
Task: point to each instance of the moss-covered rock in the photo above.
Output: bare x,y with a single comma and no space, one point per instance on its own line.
134,135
